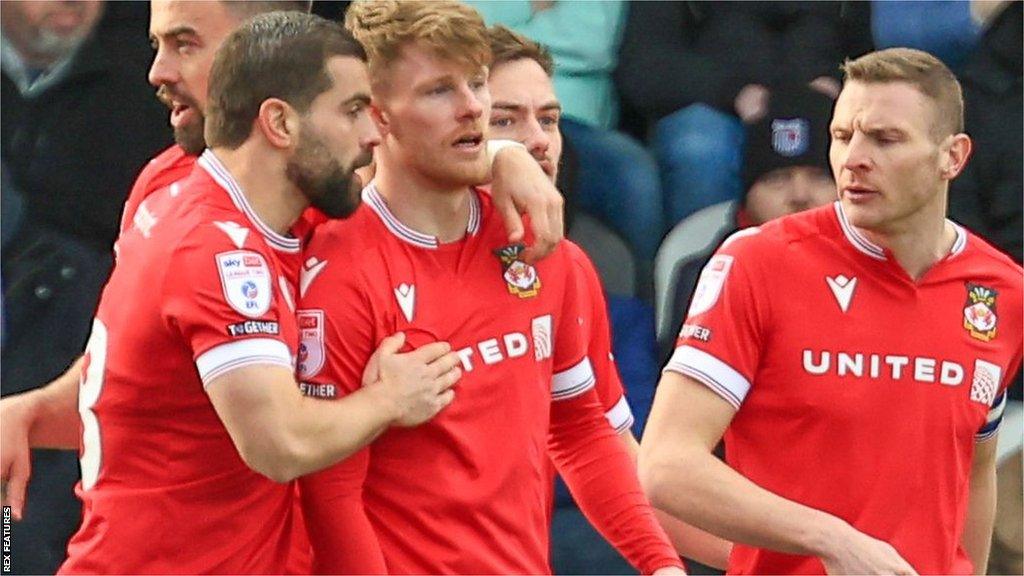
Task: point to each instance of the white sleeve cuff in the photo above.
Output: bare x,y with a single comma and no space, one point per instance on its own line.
222,359
620,416
573,382
721,378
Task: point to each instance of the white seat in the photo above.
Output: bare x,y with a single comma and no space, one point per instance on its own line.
692,238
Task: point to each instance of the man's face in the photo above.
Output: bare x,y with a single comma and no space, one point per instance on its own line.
337,136
788,191
434,115
48,30
526,110
186,36
887,161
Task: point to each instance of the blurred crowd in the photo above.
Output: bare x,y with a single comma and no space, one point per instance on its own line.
683,121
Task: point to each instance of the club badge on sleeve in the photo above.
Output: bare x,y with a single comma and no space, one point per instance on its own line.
980,312
520,278
245,278
311,342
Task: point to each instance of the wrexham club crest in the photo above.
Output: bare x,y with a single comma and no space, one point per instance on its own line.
520,278
980,312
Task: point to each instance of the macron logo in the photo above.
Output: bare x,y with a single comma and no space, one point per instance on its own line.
311,268
842,288
406,295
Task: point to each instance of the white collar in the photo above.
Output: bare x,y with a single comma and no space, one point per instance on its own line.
220,174
372,197
862,244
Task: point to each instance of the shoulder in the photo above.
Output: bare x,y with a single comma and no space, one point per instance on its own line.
168,164
343,237
987,255
772,240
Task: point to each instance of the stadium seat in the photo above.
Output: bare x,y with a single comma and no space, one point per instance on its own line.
612,257
691,239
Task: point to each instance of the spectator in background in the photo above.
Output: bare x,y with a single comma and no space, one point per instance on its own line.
617,178
695,70
78,122
785,171
987,197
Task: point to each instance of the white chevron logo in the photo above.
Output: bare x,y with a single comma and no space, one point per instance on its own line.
237,233
406,295
842,288
310,270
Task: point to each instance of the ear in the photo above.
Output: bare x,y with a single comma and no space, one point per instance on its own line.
381,118
955,153
278,122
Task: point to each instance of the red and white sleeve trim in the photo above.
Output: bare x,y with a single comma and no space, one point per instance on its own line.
573,381
222,359
721,378
620,416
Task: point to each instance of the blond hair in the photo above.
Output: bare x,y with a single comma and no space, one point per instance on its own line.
452,30
923,71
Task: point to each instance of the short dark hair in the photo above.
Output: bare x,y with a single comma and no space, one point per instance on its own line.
275,55
247,8
508,46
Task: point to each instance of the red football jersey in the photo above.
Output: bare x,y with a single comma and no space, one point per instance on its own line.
860,392
598,334
198,291
466,492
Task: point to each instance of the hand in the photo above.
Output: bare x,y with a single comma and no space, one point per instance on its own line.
752,103
17,414
669,570
519,185
418,383
854,552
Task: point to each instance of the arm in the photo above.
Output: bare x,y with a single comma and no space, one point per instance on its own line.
981,504
689,541
43,418
598,471
283,435
683,477
344,541
519,185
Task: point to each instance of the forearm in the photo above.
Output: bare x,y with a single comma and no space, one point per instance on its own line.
318,433
602,478
981,512
701,490
55,420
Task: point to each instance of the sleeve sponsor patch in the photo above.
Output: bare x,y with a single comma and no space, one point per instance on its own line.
311,342
250,327
246,280
709,287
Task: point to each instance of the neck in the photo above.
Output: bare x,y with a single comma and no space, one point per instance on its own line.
919,242
423,204
274,199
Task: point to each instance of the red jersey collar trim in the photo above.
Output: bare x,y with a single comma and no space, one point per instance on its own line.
372,197
877,252
220,174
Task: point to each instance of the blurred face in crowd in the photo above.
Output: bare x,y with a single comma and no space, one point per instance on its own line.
433,113
524,108
186,36
787,191
891,168
44,31
337,136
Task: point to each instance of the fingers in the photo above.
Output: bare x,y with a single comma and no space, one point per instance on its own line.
445,398
445,381
444,363
430,352
548,223
510,216
16,484
391,345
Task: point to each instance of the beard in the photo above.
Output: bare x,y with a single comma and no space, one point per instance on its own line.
330,187
188,136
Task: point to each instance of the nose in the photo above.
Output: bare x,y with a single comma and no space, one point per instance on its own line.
164,69
537,140
858,158
369,134
472,107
